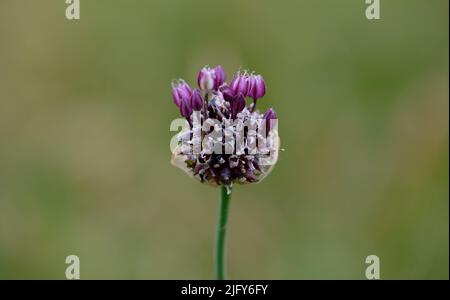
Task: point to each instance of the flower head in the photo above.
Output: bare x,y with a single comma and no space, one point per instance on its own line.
227,141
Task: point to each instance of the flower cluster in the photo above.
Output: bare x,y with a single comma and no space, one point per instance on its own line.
247,147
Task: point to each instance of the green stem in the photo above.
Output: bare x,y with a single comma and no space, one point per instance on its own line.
254,105
225,196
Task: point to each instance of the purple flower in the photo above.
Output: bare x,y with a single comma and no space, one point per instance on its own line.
237,105
206,79
257,87
196,100
240,84
269,115
220,77
217,105
227,93
211,79
180,90
185,108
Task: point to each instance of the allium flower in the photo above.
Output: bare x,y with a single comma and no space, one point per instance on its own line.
180,90
244,153
224,141
206,79
185,108
219,77
196,100
257,87
240,84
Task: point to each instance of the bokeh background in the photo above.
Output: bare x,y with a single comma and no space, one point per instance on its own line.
85,109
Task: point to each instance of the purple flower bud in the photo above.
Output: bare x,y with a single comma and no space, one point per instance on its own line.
240,84
196,100
237,105
176,97
257,87
206,79
185,108
269,115
220,77
227,94
180,90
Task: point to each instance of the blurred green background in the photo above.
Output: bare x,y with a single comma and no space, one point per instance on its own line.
85,109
